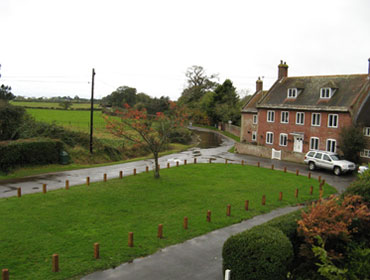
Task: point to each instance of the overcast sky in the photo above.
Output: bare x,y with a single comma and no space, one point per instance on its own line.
49,47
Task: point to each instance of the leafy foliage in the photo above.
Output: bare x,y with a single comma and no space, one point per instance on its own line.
66,104
5,93
335,222
11,119
260,253
152,132
360,187
351,142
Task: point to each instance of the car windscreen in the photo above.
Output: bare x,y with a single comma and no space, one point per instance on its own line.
334,157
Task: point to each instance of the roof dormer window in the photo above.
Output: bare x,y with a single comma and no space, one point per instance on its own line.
326,93
292,93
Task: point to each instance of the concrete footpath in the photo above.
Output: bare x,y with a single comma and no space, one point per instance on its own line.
199,258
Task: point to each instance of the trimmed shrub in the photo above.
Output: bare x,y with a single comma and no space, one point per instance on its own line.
28,152
263,252
360,187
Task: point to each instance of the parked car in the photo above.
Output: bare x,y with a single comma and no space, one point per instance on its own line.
328,160
362,168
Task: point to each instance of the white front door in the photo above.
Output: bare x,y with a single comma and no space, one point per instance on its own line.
298,144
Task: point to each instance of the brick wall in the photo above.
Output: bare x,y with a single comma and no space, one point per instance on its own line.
323,132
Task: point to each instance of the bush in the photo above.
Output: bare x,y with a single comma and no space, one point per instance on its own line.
260,253
28,152
360,187
11,119
180,135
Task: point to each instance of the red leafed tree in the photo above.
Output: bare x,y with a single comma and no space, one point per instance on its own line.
151,131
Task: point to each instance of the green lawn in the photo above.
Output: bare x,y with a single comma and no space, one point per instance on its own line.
35,226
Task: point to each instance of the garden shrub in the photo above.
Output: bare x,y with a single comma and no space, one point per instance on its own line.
360,187
11,119
180,135
19,153
263,252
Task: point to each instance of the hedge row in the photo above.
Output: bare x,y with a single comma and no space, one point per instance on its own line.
28,152
264,252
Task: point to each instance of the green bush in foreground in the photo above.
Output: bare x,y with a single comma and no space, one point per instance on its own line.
260,253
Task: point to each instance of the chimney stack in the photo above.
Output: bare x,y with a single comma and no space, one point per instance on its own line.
259,84
283,70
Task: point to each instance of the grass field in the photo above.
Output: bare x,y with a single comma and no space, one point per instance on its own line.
74,120
52,105
35,226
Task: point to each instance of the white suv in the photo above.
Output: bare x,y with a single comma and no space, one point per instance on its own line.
328,160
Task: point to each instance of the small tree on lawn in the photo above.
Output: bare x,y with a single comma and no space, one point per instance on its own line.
151,131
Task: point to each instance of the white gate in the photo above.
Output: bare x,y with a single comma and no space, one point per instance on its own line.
276,154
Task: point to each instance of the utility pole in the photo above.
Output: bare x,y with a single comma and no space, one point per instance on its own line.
92,111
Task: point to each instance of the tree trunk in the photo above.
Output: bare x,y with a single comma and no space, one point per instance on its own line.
156,170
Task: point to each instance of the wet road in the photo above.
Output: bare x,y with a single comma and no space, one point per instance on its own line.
218,155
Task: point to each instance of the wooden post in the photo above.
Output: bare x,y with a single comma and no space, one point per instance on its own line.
311,190
96,251
285,169
185,222
242,162
44,188
272,167
160,231
19,192
246,206
134,171
177,164
67,185
210,160
168,165
5,274
264,200
296,193
281,196
320,187
209,216
320,178
105,177
297,172
195,160
323,182
55,261
228,210
258,164
146,169
185,161
88,181
321,193
121,174
131,239
309,175
225,161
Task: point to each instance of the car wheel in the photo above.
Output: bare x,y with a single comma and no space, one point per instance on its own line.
337,170
311,166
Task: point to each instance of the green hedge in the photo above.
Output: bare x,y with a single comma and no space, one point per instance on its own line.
263,252
28,152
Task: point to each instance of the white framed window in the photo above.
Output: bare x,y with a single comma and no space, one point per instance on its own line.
314,143
367,131
299,118
284,117
316,119
283,139
332,120
365,153
270,116
331,145
269,138
255,119
254,136
325,93
292,93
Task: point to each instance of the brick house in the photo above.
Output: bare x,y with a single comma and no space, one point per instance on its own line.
298,114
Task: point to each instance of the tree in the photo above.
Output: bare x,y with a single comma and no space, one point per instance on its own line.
141,128
5,93
198,83
65,104
11,120
351,142
121,96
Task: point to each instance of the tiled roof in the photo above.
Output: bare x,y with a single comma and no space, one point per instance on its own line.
250,107
347,90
